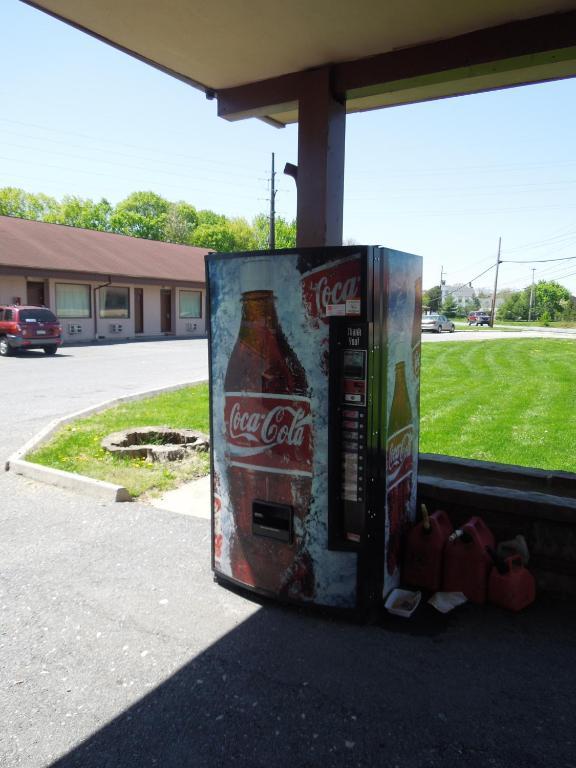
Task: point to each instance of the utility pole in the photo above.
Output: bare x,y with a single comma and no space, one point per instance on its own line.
272,208
442,282
531,296
493,310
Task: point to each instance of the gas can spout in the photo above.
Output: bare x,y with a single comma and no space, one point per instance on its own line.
425,519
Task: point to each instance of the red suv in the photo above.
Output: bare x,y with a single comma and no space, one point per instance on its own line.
478,318
28,328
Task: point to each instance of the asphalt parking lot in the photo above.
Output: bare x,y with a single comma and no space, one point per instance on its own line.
117,649
37,389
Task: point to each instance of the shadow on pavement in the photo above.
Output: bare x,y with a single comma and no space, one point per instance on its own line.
285,688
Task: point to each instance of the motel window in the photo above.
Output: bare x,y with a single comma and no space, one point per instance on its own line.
114,302
72,300
190,304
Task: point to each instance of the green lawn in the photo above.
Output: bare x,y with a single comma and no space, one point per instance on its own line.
76,447
511,401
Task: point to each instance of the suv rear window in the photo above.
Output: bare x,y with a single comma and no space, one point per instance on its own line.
37,316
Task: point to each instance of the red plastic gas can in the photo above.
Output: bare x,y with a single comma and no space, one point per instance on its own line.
514,588
424,552
467,563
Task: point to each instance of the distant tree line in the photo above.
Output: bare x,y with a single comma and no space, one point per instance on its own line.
150,216
550,301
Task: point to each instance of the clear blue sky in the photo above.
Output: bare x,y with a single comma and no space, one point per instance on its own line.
444,179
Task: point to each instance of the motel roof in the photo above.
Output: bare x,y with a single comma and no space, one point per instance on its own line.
38,248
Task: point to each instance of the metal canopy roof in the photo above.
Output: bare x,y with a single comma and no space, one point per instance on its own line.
381,52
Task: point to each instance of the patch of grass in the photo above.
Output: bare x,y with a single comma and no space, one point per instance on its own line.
511,401
76,447
463,326
538,323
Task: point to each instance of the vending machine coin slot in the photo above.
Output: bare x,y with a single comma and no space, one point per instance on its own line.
273,521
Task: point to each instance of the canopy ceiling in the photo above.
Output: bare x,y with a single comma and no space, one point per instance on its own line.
382,52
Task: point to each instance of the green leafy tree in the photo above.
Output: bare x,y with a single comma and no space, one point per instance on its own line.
244,235
432,299
551,297
515,306
84,213
449,306
285,232
218,237
569,309
551,300
42,207
209,218
141,214
25,205
13,202
181,221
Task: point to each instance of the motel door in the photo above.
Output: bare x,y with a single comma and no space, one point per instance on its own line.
166,310
35,294
138,310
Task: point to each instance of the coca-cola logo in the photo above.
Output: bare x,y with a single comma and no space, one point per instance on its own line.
337,293
282,424
399,451
269,432
332,284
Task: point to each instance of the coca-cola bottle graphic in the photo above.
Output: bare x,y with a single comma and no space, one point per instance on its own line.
398,467
268,439
417,328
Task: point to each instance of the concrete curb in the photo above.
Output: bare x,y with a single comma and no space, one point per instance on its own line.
96,488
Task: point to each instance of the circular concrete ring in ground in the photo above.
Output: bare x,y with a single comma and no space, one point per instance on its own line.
157,444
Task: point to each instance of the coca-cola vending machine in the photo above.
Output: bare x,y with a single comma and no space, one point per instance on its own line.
314,384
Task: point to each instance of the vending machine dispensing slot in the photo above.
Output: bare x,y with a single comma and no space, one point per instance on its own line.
273,521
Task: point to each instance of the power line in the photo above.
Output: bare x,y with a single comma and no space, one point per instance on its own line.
561,234
131,145
537,261
116,164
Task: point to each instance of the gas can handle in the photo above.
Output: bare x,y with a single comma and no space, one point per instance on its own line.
514,562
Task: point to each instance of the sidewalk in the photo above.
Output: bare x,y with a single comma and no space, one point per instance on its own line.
189,499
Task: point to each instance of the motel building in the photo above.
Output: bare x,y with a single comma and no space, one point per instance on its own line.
102,285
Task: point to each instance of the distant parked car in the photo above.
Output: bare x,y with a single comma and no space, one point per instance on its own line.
478,318
28,328
437,323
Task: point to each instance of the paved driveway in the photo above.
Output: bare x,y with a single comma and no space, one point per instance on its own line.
117,650
37,389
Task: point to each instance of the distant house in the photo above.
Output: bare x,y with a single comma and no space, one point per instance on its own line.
100,285
486,303
460,293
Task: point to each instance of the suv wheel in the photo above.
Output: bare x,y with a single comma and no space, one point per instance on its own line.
51,350
5,348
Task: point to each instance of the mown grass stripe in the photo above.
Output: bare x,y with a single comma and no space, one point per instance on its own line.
513,402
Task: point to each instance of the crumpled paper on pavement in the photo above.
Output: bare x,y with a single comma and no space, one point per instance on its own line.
447,601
